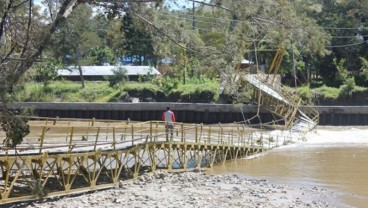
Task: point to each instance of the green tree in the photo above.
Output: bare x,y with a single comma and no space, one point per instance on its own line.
118,78
138,42
23,37
14,126
341,74
110,33
102,55
76,38
364,70
346,23
46,72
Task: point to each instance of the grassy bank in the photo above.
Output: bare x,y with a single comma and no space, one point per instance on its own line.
68,91
324,95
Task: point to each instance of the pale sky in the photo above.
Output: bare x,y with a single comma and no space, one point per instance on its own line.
181,3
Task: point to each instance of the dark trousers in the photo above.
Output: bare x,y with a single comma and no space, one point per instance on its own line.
169,129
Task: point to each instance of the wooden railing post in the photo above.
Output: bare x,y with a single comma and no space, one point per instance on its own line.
150,131
157,130
201,131
113,138
132,128
107,130
55,120
96,140
42,138
141,129
270,139
182,132
239,136
232,137
196,133
221,135
71,138
209,135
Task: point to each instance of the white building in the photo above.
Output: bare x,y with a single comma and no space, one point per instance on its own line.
97,73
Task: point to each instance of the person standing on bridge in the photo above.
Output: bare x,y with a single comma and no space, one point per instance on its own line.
169,117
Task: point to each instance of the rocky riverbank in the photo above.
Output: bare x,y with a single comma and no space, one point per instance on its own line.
195,189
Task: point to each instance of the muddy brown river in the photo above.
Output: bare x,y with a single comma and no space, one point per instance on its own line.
335,158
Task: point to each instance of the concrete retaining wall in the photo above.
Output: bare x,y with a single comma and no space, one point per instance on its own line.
188,112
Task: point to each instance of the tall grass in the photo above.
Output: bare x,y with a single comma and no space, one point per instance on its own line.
205,92
65,91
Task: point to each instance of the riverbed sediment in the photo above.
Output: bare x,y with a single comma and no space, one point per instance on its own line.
196,189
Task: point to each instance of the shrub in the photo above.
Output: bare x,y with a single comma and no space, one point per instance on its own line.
204,93
64,86
118,78
142,90
348,88
167,83
14,126
95,90
305,94
47,72
342,73
66,91
243,95
364,68
39,95
115,96
325,92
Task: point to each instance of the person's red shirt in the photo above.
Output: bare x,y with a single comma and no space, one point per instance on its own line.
168,116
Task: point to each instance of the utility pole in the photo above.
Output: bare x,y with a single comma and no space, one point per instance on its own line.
193,21
294,67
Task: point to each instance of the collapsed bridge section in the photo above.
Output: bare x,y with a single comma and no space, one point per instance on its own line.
285,106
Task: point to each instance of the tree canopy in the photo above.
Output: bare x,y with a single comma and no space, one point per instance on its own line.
204,38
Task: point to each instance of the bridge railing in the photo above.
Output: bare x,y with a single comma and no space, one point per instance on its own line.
61,137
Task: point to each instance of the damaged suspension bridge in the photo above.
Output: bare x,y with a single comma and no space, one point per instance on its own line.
66,156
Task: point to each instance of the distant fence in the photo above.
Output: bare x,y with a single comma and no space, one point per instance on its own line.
188,112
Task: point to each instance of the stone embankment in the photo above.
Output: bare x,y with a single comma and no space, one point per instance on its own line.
195,189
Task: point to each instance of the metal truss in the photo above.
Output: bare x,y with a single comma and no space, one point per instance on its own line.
66,156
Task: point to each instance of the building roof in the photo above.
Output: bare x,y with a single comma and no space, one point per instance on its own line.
108,70
245,61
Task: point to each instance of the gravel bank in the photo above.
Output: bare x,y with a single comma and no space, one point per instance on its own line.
195,189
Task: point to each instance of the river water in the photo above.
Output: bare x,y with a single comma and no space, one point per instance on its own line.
335,158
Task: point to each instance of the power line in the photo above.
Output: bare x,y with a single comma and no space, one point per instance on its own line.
347,45
197,21
203,17
183,17
195,27
232,20
342,28
209,30
209,4
355,36
189,19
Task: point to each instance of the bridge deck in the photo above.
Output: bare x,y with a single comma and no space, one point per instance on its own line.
63,156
